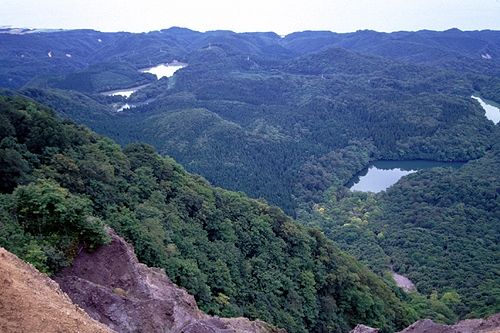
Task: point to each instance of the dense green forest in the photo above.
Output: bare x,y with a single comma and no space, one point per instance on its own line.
253,131
61,184
290,120
251,109
439,227
24,55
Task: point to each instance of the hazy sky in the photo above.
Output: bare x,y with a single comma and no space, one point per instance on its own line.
253,15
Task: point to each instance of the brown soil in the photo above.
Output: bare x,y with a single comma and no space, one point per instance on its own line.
32,302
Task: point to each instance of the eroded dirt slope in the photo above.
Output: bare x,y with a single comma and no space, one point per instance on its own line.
32,302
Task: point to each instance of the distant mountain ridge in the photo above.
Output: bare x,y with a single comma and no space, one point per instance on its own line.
25,56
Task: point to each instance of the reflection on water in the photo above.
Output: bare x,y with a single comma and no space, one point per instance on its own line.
164,70
492,112
380,175
123,92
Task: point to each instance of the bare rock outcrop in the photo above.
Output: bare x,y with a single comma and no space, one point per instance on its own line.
488,325
364,329
31,302
117,290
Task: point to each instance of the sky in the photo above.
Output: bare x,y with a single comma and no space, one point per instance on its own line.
282,17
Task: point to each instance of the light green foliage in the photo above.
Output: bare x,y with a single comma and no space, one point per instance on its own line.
438,227
287,119
50,223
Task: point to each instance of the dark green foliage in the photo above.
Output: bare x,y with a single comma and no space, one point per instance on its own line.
227,126
15,162
102,77
251,110
45,225
454,216
290,120
236,255
438,227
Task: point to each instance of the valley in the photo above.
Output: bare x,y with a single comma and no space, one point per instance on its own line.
366,157
380,175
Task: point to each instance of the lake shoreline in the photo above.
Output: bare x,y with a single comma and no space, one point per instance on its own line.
379,175
491,108
116,91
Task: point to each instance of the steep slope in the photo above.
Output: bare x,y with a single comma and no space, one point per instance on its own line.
272,117
488,325
439,227
237,256
129,297
31,302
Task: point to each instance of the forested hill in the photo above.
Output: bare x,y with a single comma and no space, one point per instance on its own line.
439,227
250,110
26,54
61,183
289,119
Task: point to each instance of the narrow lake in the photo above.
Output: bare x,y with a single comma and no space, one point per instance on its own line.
380,175
123,92
492,110
164,70
125,106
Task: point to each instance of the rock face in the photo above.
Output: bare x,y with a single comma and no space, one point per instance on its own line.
488,325
403,282
364,329
32,302
115,289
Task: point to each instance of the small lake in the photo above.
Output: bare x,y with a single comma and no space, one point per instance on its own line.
123,92
381,175
164,70
491,109
125,106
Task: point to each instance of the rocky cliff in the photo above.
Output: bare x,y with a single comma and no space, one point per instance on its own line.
31,302
488,325
117,290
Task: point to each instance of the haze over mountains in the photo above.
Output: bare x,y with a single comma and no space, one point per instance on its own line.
288,119
447,49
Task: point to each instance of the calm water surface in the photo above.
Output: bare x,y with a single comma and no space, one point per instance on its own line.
124,92
380,175
164,70
492,110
